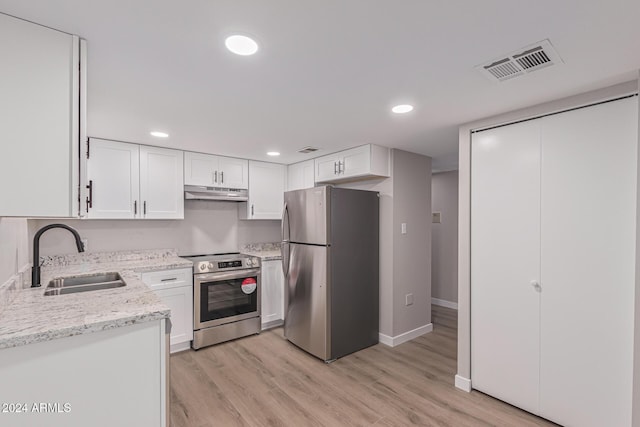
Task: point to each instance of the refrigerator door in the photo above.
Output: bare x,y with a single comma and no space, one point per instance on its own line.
306,321
306,216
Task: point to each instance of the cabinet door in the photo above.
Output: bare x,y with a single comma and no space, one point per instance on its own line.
272,310
356,161
505,248
327,167
161,183
233,173
39,107
589,169
180,301
200,169
300,175
266,190
113,174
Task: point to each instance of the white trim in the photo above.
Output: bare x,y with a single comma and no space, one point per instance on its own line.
444,303
182,346
271,324
407,336
463,383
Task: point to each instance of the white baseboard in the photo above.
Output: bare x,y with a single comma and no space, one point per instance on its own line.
272,324
444,303
463,383
175,348
407,336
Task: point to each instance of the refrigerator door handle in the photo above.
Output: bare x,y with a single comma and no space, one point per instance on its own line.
285,259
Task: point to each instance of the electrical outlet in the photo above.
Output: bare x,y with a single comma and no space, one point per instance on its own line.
403,228
408,299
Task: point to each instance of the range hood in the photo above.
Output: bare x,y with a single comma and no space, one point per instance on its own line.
196,192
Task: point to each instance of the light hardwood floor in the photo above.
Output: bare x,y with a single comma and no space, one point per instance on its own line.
264,380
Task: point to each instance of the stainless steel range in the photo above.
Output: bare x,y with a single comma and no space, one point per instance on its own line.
226,297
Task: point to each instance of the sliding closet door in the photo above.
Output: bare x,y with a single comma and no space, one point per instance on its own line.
505,253
588,260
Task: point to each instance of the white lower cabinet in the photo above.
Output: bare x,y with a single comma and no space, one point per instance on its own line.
175,289
115,377
272,307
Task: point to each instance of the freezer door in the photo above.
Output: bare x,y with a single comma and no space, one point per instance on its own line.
306,298
305,218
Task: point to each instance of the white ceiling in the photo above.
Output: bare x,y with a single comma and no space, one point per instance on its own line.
328,71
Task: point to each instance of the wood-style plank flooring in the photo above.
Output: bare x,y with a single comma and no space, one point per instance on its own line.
264,380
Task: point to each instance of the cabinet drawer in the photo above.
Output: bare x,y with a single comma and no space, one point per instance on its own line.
166,279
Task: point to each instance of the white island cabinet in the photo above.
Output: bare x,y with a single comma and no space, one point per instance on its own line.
272,307
40,105
114,377
175,289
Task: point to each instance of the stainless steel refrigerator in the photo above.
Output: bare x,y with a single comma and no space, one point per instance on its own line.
330,259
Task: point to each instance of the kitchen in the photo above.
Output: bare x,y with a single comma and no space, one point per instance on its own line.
150,75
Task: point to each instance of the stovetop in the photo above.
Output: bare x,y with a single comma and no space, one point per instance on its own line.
211,263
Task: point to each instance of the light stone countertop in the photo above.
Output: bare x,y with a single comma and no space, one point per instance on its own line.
264,251
32,317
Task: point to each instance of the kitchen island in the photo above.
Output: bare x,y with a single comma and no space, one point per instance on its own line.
95,358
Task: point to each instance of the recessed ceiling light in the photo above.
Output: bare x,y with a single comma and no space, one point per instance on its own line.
241,45
401,109
272,153
159,134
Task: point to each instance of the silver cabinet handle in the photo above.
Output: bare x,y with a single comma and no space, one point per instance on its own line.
135,207
222,177
340,167
335,168
215,177
144,207
169,280
251,210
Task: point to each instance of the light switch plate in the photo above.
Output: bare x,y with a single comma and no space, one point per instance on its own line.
436,218
408,299
403,228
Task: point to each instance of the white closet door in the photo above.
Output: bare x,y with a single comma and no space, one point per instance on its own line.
588,258
505,247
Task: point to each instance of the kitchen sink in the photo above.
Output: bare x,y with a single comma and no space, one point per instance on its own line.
92,282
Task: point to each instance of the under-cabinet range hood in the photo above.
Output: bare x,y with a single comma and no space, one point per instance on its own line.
196,192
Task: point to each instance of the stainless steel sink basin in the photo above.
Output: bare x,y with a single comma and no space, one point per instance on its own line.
92,282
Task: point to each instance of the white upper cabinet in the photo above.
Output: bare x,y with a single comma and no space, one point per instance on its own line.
300,175
161,183
113,179
267,182
366,161
128,181
40,110
209,170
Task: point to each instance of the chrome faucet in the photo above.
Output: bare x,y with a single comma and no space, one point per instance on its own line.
35,271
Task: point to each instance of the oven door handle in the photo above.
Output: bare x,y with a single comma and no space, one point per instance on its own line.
216,277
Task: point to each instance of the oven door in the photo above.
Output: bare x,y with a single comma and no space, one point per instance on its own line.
220,297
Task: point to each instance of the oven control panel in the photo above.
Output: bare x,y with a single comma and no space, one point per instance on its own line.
226,264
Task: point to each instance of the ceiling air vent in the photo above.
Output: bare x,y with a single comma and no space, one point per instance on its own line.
526,60
306,150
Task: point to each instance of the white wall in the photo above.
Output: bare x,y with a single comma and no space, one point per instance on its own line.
208,227
444,237
464,213
14,247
